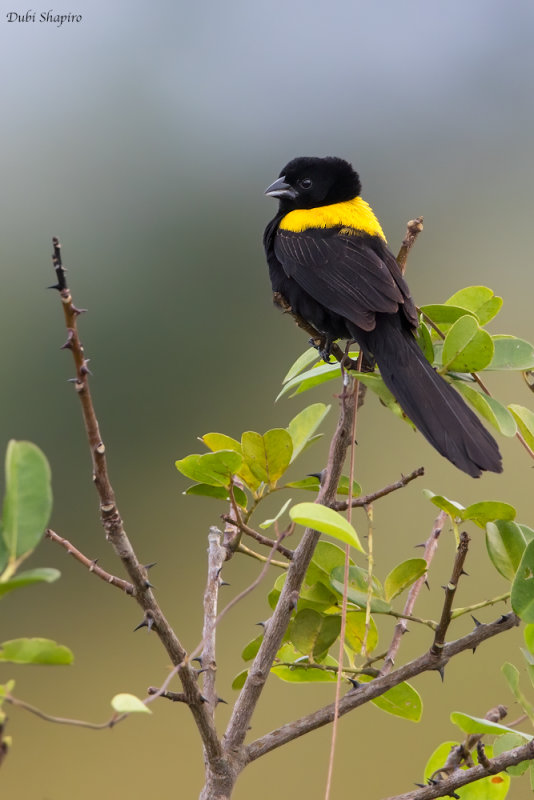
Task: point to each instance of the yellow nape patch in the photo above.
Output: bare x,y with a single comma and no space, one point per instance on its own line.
355,214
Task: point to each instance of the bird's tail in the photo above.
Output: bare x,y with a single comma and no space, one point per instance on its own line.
434,407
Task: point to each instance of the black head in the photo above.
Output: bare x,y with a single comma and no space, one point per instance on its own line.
308,182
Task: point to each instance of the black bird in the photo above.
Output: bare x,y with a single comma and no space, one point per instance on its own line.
328,258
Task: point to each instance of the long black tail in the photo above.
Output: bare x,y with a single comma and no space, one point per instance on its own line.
434,407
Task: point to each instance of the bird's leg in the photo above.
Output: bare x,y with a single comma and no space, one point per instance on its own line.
324,346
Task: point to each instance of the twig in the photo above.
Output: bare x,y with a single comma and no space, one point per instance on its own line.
91,564
113,525
458,612
401,627
242,548
366,500
238,523
369,691
450,591
413,229
176,697
80,723
461,777
216,558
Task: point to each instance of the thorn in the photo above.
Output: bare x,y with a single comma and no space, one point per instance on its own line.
218,572
198,658
502,619
149,585
68,343
423,544
453,794
421,785
427,584
84,369
224,583
463,572
55,286
94,562
203,669
317,475
73,380
474,649
149,566
476,621
78,310
220,700
203,699
441,671
150,623
143,624
354,684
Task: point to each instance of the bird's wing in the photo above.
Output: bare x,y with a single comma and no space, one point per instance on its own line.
345,274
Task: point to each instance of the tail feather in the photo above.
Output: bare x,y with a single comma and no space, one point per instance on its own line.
434,407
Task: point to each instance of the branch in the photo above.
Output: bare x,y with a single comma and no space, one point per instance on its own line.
80,723
413,229
401,627
277,626
238,523
113,525
369,691
366,500
216,558
91,564
461,777
450,591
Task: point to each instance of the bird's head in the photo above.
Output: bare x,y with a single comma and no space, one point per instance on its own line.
308,182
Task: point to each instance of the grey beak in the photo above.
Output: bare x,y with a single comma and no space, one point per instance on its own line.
281,189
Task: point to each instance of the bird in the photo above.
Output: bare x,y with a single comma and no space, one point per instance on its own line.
328,258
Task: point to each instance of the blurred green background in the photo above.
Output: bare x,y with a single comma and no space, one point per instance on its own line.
144,137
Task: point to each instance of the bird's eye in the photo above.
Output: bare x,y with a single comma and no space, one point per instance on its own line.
305,183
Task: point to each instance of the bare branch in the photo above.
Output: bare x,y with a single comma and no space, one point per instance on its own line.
462,777
401,627
79,723
413,229
450,591
366,500
91,564
113,524
366,692
216,558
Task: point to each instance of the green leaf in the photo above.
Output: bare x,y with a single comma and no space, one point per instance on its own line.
326,556
318,597
489,408
403,575
522,597
218,493
451,507
125,703
424,340
493,787
507,742
511,675
488,511
401,701
250,650
355,632
219,441
239,680
525,420
303,361
269,522
267,456
377,385
343,487
312,377
313,634
215,469
21,579
467,347
302,671
311,484
35,651
469,724
356,594
28,498
326,520
528,633
480,300
511,353
303,426
506,544
445,315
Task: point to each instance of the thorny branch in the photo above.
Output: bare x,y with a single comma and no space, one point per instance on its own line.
113,524
450,591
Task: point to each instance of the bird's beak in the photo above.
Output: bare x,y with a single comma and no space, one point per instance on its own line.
281,189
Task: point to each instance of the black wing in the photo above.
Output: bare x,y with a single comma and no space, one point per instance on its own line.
346,274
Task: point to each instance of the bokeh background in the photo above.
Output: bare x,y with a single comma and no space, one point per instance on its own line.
144,137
